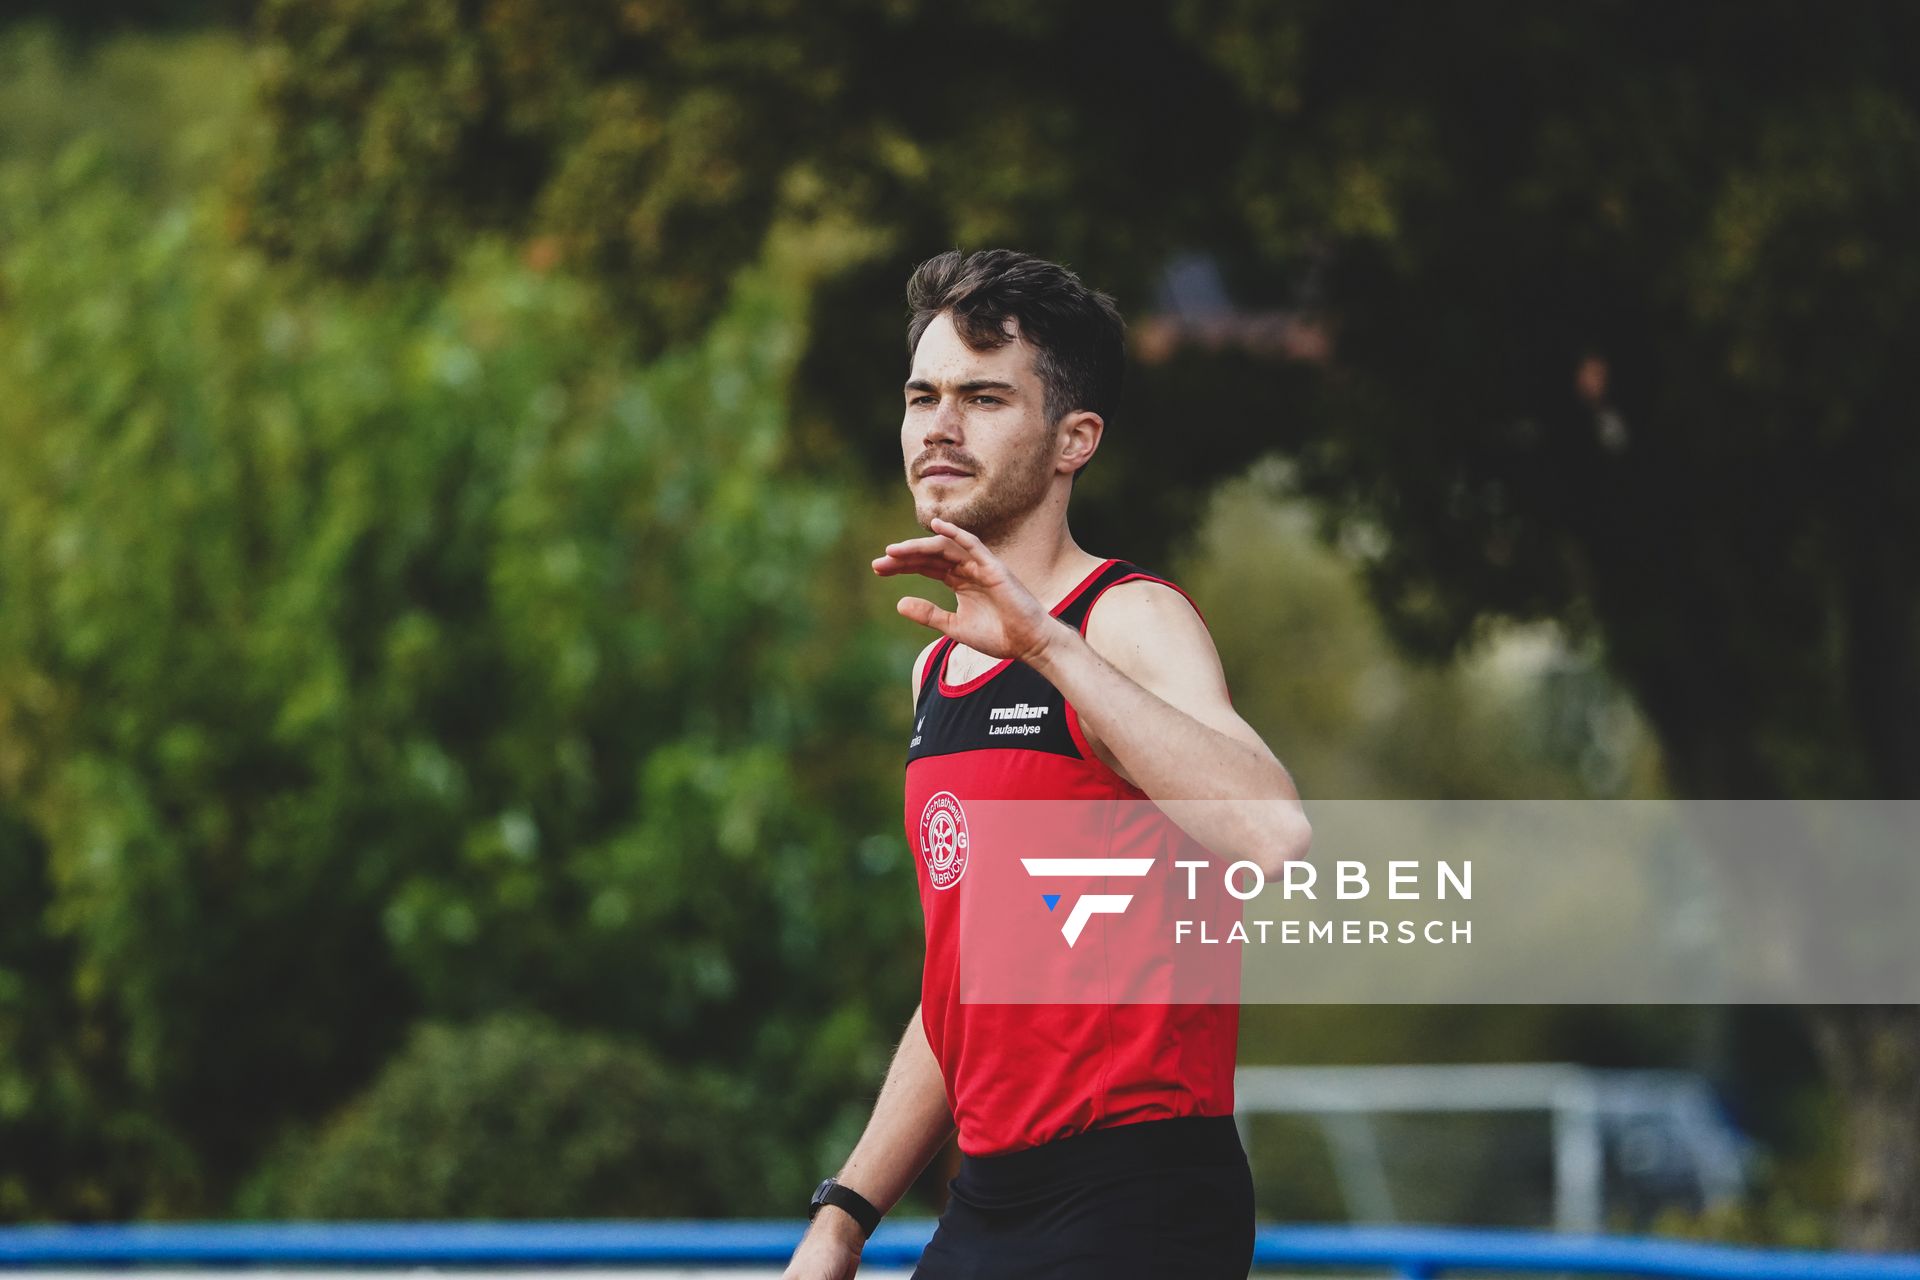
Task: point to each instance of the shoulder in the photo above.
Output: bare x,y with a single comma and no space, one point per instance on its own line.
1151,631
1142,614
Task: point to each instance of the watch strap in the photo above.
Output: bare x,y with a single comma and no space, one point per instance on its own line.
845,1198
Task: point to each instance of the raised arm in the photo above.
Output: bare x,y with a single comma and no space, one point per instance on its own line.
1152,702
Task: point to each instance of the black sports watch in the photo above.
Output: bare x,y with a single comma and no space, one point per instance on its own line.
840,1196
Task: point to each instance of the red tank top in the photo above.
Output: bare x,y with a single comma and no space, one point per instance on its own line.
1019,1075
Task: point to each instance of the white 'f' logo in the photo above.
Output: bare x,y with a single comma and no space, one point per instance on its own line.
1089,905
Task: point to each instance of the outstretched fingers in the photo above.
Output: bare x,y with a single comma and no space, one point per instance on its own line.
935,557
970,550
937,544
936,567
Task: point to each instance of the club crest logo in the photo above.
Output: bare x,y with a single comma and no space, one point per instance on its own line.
943,840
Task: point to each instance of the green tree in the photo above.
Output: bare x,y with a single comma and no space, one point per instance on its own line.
1629,357
515,1118
375,653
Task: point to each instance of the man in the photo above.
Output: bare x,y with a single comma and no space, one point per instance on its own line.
1096,1140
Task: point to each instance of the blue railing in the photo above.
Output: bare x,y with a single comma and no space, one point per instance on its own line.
1414,1252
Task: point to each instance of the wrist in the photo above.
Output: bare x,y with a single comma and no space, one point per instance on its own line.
837,1225
1048,643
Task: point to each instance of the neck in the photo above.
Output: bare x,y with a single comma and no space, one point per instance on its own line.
1041,553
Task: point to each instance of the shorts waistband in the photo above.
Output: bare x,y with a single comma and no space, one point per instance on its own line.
1143,1144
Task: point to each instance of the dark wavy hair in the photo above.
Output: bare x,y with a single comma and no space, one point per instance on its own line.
1078,336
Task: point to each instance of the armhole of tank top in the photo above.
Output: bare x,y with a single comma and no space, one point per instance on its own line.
1078,735
928,665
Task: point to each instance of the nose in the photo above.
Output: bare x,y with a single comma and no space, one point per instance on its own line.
944,422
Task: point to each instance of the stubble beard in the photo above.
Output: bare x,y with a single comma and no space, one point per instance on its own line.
994,509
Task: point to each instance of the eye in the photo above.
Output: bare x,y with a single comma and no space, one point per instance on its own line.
921,400
987,399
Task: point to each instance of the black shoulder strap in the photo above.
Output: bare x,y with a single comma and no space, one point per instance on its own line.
931,672
1075,614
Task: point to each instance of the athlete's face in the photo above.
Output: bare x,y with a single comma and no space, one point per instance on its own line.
978,448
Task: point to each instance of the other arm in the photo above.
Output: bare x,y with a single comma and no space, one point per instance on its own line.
910,1122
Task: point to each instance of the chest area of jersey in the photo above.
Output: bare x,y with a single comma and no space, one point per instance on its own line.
1015,708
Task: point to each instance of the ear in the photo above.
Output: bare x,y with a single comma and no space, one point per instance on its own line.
1077,436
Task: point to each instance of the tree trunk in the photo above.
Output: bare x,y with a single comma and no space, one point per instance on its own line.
1872,1056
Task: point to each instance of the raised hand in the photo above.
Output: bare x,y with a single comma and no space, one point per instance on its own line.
993,612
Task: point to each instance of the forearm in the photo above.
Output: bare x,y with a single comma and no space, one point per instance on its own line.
910,1122
1173,757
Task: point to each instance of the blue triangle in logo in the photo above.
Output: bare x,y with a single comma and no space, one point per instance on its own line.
1051,899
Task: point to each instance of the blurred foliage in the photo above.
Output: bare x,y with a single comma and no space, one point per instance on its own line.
105,21
656,141
1484,201
166,112
455,1123
371,654
1719,501
1309,664
1794,1200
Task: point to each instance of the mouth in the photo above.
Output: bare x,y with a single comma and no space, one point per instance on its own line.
944,473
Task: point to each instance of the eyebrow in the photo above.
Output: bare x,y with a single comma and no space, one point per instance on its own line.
964,388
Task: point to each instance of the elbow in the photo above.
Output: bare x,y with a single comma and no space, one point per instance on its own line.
1286,841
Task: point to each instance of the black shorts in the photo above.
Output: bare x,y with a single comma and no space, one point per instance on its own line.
1159,1199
